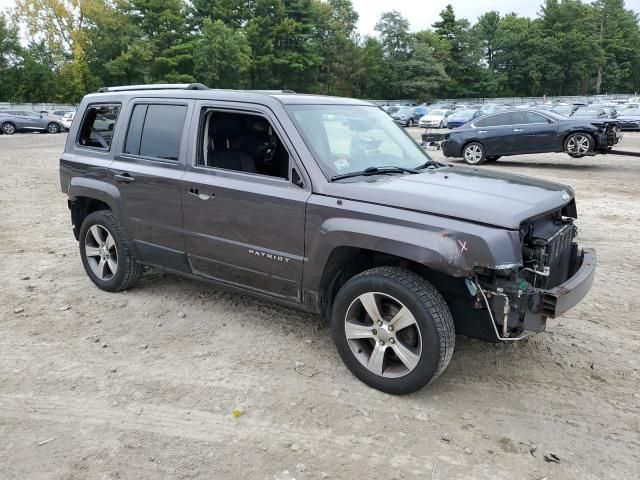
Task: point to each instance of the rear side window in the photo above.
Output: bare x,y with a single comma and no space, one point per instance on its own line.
156,131
97,126
494,120
521,118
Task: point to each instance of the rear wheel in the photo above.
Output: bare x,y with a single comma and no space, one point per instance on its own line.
105,253
473,153
53,128
392,329
577,145
8,128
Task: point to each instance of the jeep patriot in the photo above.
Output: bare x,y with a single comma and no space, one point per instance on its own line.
323,204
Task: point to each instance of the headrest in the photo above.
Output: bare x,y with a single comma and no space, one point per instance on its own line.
224,126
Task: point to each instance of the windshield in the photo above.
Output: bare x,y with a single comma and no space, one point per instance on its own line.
437,113
586,113
463,113
405,111
632,111
350,138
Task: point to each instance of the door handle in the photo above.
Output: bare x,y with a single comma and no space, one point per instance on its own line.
518,130
202,196
482,131
124,178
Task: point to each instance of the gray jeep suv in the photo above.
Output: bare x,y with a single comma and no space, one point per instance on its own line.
323,204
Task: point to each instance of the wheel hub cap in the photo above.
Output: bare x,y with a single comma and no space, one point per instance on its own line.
101,252
383,335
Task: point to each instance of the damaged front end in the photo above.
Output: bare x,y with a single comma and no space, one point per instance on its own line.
554,276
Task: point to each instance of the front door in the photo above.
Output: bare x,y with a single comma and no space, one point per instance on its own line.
495,133
243,216
533,133
147,170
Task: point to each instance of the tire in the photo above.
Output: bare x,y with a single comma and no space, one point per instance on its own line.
410,123
493,159
578,144
473,153
114,269
53,128
8,128
441,124
425,342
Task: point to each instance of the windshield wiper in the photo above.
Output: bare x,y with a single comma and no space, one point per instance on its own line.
430,163
374,171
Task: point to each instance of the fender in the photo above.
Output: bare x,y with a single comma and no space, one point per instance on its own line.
99,190
448,246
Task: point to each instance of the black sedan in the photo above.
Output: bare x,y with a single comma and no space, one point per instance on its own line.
629,119
528,131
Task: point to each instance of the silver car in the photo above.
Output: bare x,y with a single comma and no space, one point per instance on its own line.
12,121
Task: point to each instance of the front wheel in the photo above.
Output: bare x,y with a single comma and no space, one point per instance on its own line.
410,123
577,145
473,153
9,128
53,128
392,329
105,253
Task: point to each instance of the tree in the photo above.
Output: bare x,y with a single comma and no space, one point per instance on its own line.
222,56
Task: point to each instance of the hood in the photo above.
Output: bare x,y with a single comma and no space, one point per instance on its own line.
493,198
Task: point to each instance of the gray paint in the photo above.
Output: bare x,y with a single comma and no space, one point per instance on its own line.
450,220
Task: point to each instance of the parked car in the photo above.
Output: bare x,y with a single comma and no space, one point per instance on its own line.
435,119
391,109
12,121
609,110
588,112
629,119
408,116
460,117
67,119
566,110
489,108
529,131
351,221
59,114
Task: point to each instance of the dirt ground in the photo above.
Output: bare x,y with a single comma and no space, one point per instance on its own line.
142,384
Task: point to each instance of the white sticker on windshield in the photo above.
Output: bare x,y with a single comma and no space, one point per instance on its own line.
341,164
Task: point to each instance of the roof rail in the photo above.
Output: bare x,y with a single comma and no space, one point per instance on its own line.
269,91
156,86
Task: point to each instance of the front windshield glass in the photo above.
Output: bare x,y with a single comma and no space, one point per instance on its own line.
586,113
437,113
405,111
463,113
350,138
632,111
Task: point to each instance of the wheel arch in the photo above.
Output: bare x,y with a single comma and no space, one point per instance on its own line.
87,195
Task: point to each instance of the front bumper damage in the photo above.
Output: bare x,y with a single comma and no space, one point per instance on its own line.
518,309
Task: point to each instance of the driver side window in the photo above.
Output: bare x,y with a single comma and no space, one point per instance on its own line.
241,142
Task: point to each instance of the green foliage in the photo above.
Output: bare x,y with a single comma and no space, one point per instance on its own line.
312,46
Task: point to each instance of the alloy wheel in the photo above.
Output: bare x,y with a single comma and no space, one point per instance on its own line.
580,144
101,252
8,128
473,154
383,334
53,128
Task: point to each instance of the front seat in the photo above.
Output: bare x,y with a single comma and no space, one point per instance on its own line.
223,130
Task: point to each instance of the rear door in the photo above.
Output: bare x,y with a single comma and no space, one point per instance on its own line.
534,133
147,169
495,133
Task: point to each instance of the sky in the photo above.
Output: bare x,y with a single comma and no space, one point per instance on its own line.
422,13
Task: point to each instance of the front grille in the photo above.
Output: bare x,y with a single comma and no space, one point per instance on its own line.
560,242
